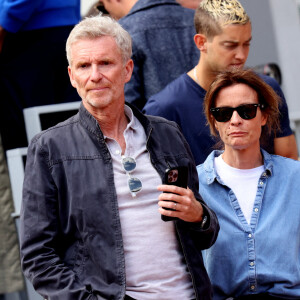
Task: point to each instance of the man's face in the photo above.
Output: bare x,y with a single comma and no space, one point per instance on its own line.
229,49
98,73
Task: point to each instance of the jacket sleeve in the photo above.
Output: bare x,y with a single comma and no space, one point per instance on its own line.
14,13
39,233
204,236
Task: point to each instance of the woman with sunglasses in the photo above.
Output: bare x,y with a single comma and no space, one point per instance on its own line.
254,194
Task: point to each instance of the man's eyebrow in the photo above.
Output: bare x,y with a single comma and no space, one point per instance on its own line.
236,42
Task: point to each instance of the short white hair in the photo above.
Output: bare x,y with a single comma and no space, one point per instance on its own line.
97,26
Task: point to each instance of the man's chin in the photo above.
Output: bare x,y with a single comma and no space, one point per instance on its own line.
235,67
94,104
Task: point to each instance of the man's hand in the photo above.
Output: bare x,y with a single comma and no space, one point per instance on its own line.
2,35
187,208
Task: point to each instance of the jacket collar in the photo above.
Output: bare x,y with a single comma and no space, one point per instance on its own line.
145,4
91,124
210,172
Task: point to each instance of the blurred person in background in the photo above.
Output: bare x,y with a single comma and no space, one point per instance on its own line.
11,277
162,33
33,67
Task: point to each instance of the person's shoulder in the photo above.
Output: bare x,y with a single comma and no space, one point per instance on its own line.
285,160
282,163
270,81
176,88
164,127
171,95
161,121
276,87
56,133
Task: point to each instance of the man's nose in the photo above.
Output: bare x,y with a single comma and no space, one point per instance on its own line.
241,53
95,73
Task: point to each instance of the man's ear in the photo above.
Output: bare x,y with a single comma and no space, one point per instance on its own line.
128,70
200,41
73,82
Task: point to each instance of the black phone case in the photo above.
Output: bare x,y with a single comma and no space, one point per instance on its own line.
175,176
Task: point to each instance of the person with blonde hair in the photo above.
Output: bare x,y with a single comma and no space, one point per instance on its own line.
254,194
223,37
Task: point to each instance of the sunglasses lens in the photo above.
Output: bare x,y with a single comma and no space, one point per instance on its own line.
135,185
247,112
223,114
129,164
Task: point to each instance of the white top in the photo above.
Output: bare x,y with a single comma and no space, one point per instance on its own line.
154,264
243,182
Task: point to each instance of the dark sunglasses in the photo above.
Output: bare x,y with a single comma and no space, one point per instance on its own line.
246,112
135,184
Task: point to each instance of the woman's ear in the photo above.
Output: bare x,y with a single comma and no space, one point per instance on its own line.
216,126
264,118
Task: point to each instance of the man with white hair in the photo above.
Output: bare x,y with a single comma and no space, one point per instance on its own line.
91,223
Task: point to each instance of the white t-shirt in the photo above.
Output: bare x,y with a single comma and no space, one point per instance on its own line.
243,182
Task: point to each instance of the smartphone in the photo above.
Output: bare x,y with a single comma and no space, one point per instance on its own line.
175,176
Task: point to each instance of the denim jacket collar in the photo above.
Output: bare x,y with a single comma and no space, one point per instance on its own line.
145,4
210,172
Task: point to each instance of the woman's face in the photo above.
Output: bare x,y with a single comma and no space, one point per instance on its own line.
238,133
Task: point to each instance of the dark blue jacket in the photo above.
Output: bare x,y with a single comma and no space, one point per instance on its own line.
71,241
163,47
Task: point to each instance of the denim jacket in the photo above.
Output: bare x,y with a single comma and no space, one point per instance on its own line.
163,46
71,240
263,257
